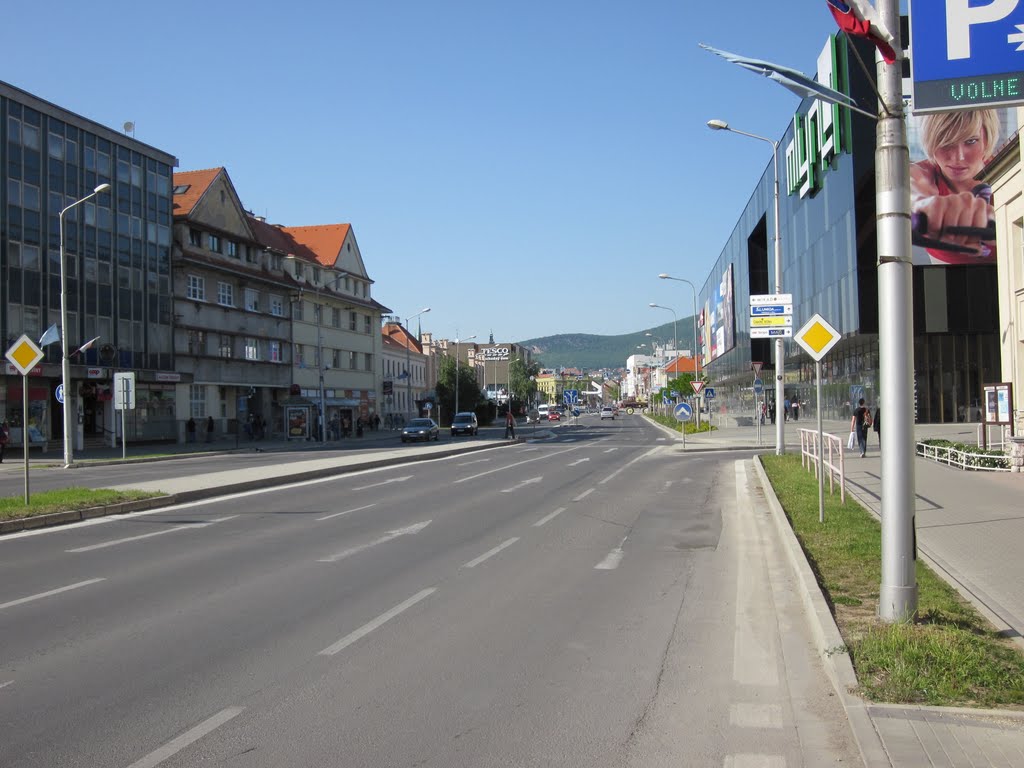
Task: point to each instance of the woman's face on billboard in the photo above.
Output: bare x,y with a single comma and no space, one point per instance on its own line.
961,161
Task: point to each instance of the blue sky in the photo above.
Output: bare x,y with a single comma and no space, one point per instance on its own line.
524,168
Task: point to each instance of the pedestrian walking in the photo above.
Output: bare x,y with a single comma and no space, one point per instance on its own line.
209,429
376,422
510,425
190,428
859,424
5,436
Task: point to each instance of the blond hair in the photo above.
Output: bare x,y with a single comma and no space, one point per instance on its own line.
946,128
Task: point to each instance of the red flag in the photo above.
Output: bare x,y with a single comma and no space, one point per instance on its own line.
858,18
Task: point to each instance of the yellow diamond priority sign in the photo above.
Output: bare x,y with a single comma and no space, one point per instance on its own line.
24,354
817,337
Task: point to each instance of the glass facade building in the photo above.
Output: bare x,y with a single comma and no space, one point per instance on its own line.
118,254
827,224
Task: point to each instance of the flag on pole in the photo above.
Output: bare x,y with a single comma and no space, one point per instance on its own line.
87,345
792,79
859,18
52,334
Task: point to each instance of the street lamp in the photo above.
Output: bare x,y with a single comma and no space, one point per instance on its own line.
780,439
65,373
408,360
468,338
675,338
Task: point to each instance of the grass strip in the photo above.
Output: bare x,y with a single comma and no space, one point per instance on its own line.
65,500
949,656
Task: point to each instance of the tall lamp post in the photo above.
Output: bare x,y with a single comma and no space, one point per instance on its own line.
408,361
65,373
675,338
468,338
664,276
780,420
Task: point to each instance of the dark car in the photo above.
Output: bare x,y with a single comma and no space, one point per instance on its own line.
420,429
464,423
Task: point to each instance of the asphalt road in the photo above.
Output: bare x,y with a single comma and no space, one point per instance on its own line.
596,600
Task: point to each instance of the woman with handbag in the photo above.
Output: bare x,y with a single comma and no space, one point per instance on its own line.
859,424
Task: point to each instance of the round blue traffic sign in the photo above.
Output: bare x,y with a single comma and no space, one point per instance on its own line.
758,386
683,412
59,394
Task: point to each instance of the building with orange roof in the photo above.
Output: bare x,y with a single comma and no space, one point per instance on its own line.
404,372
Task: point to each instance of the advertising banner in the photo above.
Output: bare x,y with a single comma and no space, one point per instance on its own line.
720,330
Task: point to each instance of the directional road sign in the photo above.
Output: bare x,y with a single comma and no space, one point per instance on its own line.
761,310
770,333
709,393
817,337
571,396
769,322
24,354
771,298
966,55
682,412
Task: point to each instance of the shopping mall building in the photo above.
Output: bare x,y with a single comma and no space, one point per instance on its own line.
827,222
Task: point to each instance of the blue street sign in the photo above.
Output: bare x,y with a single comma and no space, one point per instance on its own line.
674,393
966,54
682,412
709,393
59,394
571,396
771,309
758,386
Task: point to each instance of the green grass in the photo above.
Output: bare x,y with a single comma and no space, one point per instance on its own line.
949,656
671,423
65,500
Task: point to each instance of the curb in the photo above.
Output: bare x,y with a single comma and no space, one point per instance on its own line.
831,645
198,494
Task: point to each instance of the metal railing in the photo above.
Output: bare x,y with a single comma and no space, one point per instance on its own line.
954,457
833,460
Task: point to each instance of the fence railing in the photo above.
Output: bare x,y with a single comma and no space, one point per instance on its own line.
833,461
955,457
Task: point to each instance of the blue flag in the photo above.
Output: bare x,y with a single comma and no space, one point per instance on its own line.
52,334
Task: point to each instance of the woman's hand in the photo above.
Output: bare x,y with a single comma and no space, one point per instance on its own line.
946,212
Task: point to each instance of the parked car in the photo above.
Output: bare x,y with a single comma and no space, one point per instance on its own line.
607,413
465,423
420,429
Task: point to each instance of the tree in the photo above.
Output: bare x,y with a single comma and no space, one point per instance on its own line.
681,384
469,390
521,387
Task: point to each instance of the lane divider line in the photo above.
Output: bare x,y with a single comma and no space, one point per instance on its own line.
549,518
584,494
115,542
346,512
612,560
517,464
628,463
367,628
174,746
49,593
474,563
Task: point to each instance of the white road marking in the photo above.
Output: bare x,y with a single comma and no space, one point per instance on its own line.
385,482
4,685
467,463
578,461
57,591
523,484
510,466
747,715
366,629
186,527
609,450
584,494
668,484
660,439
347,511
412,529
176,745
633,461
754,761
474,563
611,562
528,450
550,517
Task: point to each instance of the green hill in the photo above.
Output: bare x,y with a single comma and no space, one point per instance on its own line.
590,351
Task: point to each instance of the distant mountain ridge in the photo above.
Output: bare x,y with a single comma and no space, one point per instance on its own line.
590,351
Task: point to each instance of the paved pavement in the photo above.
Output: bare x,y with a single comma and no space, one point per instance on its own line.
970,527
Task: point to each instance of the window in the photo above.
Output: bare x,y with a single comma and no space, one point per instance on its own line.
353,321
197,401
297,353
252,348
180,189
226,294
232,250
336,317
252,300
252,255
226,346
297,310
197,342
352,360
276,305
336,358
196,288
316,275
277,261
274,351
368,366
215,245
367,324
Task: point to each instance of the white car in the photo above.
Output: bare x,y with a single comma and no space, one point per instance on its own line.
607,413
